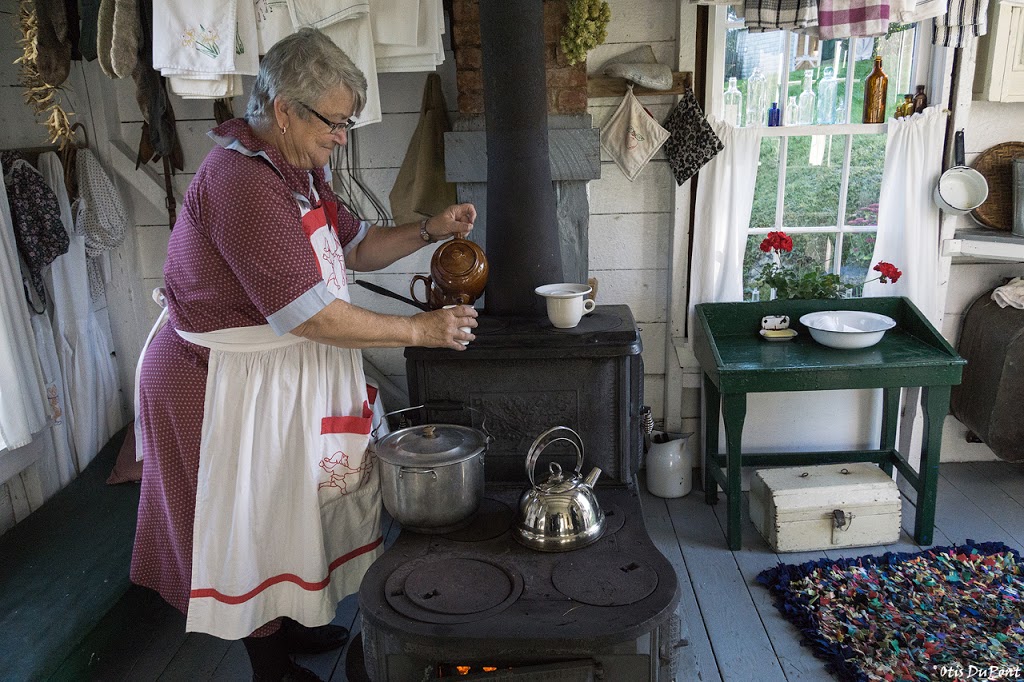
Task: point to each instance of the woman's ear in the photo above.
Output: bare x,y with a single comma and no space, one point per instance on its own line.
282,113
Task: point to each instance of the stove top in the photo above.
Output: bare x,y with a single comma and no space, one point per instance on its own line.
478,588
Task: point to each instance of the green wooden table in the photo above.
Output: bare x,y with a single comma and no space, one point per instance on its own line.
735,361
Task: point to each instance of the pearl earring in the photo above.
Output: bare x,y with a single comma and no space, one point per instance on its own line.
284,129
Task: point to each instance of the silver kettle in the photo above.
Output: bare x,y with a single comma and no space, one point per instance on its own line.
562,513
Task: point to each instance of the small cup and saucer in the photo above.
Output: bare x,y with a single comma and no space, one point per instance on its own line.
567,303
776,328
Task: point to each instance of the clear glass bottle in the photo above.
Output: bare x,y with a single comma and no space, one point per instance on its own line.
828,91
732,104
805,105
875,87
757,98
789,115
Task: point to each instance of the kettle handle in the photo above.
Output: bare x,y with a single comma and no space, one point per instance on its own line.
540,443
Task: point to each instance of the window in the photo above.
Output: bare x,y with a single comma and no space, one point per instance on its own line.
819,173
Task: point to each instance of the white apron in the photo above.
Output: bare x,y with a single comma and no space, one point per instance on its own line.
288,502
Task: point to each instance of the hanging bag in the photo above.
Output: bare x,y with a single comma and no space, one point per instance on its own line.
631,136
420,189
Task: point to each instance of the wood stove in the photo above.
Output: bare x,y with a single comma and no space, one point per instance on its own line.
474,600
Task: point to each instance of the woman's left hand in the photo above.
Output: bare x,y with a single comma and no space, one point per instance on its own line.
456,220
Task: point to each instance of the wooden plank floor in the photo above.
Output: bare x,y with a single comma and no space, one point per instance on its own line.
730,630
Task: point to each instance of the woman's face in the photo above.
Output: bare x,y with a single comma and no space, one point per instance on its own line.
309,140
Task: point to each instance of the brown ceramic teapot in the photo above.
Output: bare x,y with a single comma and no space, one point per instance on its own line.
458,274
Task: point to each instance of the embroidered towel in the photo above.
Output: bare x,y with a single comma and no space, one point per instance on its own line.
273,22
194,36
770,15
692,141
845,18
631,136
964,21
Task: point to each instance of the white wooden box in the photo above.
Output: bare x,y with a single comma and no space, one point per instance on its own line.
801,509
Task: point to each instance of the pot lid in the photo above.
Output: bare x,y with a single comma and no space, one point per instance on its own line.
431,445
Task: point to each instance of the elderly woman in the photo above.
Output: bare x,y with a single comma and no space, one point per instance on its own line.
260,502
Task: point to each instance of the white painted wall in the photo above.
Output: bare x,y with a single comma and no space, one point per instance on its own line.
638,235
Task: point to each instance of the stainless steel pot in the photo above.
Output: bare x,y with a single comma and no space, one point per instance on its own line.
432,476
561,513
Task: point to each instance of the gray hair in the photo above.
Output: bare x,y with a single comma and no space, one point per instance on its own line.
301,68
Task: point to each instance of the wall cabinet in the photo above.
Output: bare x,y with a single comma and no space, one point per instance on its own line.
999,76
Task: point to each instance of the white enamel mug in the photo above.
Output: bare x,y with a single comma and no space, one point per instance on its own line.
567,303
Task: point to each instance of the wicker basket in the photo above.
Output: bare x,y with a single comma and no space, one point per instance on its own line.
996,164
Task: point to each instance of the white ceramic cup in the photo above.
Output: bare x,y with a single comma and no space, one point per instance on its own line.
566,303
468,330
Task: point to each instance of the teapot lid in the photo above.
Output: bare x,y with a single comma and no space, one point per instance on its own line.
458,257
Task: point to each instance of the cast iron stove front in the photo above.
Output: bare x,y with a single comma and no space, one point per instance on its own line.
477,598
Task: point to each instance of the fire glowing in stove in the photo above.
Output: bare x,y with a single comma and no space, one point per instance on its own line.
454,670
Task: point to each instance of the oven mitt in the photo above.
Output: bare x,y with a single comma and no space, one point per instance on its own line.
692,142
632,136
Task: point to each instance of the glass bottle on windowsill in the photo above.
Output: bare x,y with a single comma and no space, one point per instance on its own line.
805,106
732,104
875,87
757,98
827,96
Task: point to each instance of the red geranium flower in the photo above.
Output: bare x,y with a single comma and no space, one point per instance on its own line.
780,241
889,272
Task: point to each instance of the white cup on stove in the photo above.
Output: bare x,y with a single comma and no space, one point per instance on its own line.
567,303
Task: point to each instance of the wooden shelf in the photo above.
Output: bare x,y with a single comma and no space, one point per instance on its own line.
609,86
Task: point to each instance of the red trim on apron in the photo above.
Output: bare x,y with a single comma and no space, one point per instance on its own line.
314,220
360,425
287,577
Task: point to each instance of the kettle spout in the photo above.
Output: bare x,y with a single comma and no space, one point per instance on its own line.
591,478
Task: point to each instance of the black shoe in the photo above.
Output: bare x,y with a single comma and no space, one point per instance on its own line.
299,639
270,662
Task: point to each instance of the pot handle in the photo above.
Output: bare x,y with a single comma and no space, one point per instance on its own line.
539,445
959,158
440,405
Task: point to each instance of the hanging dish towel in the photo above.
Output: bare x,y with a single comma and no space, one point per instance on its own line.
964,21
771,15
323,13
631,136
395,22
845,18
1010,294
420,189
692,141
355,38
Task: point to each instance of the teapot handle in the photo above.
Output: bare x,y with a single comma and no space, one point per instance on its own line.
540,444
427,282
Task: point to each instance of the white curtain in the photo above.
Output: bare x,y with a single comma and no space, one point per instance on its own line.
725,196
22,388
908,219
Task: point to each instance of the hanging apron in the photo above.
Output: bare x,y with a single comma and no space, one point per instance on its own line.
288,503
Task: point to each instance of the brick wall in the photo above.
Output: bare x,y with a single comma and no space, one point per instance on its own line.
567,85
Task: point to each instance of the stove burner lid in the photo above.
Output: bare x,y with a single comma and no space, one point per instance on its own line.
604,578
452,589
614,517
492,519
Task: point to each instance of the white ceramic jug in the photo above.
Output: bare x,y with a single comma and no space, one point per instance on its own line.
670,465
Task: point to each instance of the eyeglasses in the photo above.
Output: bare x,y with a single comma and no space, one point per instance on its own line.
335,127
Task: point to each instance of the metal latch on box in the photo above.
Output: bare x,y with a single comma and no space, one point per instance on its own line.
840,522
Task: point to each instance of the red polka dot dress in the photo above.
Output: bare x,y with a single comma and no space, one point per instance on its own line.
238,257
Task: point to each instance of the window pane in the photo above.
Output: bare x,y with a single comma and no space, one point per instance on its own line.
897,53
814,167
766,189
810,252
867,158
857,250
745,51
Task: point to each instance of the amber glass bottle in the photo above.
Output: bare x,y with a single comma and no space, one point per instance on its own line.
875,86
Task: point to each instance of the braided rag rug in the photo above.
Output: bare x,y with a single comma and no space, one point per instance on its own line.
942,613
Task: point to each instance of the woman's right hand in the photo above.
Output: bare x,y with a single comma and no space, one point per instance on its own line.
440,328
